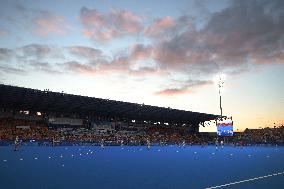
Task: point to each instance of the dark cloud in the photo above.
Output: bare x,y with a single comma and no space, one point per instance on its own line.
5,54
247,31
36,50
33,57
77,67
243,33
39,52
92,55
83,60
140,52
5,69
44,67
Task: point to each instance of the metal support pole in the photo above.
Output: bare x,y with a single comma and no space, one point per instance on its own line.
221,105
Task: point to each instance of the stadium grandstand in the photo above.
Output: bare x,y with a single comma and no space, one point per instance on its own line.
46,104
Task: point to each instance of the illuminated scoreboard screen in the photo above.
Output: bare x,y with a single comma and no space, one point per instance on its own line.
225,127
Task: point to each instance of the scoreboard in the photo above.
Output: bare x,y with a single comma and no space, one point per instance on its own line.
225,127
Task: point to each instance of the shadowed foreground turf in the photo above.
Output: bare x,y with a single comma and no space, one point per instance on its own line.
135,167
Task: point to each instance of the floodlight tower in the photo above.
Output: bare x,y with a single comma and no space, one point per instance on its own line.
220,81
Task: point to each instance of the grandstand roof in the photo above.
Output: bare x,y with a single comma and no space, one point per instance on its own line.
18,98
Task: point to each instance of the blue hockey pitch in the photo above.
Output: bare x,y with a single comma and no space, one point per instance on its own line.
135,167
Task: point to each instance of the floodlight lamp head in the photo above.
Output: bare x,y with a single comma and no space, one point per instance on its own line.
219,80
222,77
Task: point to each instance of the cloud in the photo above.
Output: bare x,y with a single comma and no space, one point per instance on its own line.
104,27
179,51
37,21
73,59
183,87
78,67
244,33
10,70
159,25
92,55
97,63
5,54
166,28
38,52
146,71
35,50
126,21
118,64
44,67
47,23
173,92
247,31
237,38
3,32
32,57
140,52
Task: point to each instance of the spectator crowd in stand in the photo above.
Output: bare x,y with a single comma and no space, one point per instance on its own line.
263,136
40,131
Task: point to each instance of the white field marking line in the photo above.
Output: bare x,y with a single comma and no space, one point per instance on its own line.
247,180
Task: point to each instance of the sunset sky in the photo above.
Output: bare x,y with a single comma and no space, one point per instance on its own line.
157,52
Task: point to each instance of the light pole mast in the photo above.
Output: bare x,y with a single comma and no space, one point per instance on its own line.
221,81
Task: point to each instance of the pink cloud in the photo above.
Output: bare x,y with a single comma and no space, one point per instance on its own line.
91,17
98,35
47,23
173,92
100,64
126,20
3,32
104,27
159,25
139,52
183,87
